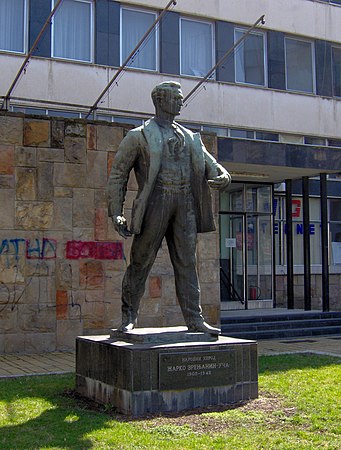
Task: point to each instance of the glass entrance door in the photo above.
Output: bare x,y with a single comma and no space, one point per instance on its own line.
246,225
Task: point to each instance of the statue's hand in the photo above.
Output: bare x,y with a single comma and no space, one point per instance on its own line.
219,182
120,225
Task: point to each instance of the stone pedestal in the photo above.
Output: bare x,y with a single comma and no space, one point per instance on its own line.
166,369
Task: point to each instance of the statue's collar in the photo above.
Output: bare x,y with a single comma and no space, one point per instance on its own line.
164,123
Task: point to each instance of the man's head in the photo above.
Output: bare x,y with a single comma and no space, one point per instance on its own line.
167,98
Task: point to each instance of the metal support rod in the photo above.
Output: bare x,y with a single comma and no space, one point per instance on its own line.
306,244
324,242
222,59
245,258
273,218
121,68
289,234
24,64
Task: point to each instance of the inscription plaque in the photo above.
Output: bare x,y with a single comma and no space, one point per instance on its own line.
196,369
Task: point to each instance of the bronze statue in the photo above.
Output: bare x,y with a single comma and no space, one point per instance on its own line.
174,172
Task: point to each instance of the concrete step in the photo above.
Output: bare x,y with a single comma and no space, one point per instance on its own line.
280,325
288,333
285,324
242,318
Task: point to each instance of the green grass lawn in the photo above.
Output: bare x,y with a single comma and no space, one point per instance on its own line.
299,407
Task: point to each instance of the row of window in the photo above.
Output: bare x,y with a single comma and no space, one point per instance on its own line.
72,37
236,133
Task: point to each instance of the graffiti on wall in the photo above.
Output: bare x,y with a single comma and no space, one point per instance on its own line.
94,250
15,283
45,248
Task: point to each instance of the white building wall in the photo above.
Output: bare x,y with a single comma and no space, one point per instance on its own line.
219,104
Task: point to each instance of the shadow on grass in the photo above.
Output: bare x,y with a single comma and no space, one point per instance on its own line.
285,362
57,419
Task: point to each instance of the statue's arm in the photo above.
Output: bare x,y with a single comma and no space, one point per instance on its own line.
118,179
217,176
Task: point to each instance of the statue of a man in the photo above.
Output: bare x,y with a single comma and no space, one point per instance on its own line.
174,172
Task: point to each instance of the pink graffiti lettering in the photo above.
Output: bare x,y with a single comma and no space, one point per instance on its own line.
94,250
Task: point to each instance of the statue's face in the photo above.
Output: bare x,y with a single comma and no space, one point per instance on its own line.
171,101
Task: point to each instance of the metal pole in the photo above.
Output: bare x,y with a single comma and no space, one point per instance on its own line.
324,242
24,64
306,244
272,220
222,59
289,234
245,259
120,70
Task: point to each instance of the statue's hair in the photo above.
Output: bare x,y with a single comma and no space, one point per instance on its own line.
164,87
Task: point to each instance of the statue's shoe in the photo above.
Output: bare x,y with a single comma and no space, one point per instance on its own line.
128,325
203,327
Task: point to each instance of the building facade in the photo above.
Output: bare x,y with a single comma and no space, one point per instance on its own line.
273,104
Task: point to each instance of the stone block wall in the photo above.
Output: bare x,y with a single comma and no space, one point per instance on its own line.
61,262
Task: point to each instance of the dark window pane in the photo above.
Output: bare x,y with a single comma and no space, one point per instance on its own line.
191,126
104,117
33,111
61,113
128,120
249,57
310,140
243,134
263,136
299,65
337,71
334,142
221,132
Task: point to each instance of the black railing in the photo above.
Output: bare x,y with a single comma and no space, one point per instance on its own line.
225,281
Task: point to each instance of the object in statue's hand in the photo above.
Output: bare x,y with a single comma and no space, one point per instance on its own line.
120,224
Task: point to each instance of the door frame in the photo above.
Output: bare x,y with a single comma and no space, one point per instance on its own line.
244,215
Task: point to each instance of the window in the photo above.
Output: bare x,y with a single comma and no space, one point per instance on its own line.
134,24
266,136
336,58
335,229
334,142
13,25
312,140
299,65
72,30
196,47
250,58
280,230
241,133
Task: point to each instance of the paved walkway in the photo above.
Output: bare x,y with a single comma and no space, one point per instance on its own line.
36,364
64,362
323,345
